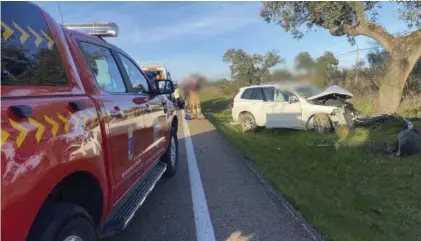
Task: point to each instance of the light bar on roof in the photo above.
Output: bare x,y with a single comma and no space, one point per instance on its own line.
97,29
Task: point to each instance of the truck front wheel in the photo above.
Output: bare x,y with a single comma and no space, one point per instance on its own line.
171,155
62,222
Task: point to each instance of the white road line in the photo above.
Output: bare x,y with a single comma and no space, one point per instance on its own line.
204,228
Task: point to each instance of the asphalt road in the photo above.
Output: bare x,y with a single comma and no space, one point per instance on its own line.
235,205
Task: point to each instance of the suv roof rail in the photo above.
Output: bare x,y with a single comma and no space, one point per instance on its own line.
109,29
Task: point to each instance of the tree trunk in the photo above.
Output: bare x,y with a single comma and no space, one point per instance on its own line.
393,84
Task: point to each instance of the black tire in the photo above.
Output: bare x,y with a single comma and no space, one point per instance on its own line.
58,221
172,164
322,123
247,122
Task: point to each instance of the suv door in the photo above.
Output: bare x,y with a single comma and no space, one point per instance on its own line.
124,111
284,114
155,119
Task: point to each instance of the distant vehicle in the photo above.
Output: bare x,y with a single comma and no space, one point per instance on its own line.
153,70
294,106
84,136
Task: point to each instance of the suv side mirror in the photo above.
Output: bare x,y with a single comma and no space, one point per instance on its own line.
293,99
164,87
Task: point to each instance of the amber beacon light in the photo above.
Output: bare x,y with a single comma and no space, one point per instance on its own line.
97,29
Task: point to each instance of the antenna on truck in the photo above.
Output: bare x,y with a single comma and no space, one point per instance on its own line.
61,14
97,29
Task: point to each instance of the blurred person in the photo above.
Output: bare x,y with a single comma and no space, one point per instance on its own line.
193,88
177,97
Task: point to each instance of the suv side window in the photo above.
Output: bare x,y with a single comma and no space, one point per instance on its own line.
25,60
247,94
269,93
104,68
137,79
257,94
280,96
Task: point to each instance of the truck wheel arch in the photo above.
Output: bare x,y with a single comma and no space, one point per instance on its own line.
83,189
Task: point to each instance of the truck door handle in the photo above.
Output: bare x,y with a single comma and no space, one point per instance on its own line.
21,110
76,105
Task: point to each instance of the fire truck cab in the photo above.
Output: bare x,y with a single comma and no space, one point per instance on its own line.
84,135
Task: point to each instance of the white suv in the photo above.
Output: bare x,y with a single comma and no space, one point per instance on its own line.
292,105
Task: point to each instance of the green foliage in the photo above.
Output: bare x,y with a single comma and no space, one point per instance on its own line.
281,75
340,18
251,69
325,69
304,61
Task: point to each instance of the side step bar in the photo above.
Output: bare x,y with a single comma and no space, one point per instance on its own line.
123,213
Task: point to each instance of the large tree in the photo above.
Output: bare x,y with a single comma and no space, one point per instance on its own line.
304,61
358,18
325,67
280,75
251,69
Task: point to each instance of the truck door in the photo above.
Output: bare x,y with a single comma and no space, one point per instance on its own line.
124,111
153,136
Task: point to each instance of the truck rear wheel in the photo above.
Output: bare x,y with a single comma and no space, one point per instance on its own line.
171,155
62,222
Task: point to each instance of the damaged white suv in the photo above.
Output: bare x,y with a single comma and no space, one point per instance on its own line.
294,106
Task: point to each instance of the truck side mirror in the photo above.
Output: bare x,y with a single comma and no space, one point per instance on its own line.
165,86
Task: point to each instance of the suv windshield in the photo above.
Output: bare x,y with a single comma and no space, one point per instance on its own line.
307,91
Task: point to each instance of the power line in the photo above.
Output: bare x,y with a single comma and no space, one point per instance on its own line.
358,50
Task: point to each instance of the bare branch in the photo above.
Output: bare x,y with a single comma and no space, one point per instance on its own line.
359,10
415,36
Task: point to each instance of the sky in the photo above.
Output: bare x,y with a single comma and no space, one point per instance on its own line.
190,37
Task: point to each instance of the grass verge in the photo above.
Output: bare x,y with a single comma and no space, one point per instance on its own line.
344,184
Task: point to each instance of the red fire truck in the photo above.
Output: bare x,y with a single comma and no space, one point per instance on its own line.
84,136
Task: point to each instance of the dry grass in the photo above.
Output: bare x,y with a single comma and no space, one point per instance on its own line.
410,107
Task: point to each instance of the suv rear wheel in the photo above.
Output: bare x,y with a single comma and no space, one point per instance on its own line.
62,222
247,122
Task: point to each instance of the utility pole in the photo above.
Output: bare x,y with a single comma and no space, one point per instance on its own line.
356,68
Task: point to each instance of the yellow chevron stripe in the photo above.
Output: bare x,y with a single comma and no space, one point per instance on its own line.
54,125
50,40
24,35
40,128
65,121
38,38
7,32
23,132
4,136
